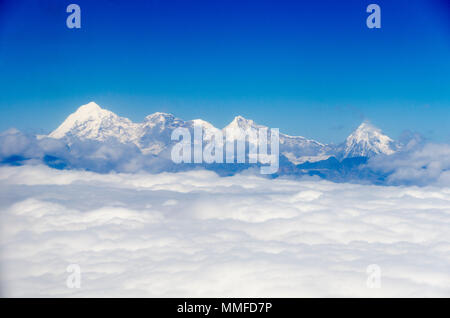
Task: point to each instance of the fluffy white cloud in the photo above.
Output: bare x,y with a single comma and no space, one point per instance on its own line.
423,164
193,234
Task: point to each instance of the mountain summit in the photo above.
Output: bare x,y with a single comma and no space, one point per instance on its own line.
366,141
242,123
90,121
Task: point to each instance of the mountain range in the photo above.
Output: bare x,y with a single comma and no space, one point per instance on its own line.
94,138
152,136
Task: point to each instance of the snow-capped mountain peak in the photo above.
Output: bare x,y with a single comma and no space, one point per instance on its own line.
203,123
88,112
90,121
90,107
159,117
242,123
368,140
161,121
239,127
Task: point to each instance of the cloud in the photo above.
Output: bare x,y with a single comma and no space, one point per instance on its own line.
17,148
15,143
417,163
420,164
194,233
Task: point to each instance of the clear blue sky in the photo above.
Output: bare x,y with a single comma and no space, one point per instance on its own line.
311,68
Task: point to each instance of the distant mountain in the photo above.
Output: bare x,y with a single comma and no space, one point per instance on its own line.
297,149
96,139
92,122
153,135
367,141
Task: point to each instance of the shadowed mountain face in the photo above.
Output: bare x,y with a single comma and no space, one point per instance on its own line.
94,138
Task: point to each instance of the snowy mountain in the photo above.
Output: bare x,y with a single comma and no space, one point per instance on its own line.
297,149
92,122
239,124
367,141
153,135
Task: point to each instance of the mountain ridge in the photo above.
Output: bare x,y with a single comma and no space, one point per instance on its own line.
92,122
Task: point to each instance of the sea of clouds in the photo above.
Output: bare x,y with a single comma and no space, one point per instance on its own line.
195,234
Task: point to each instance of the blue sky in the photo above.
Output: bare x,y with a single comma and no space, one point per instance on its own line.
311,68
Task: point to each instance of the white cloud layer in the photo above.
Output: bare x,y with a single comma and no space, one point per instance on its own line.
422,165
194,234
